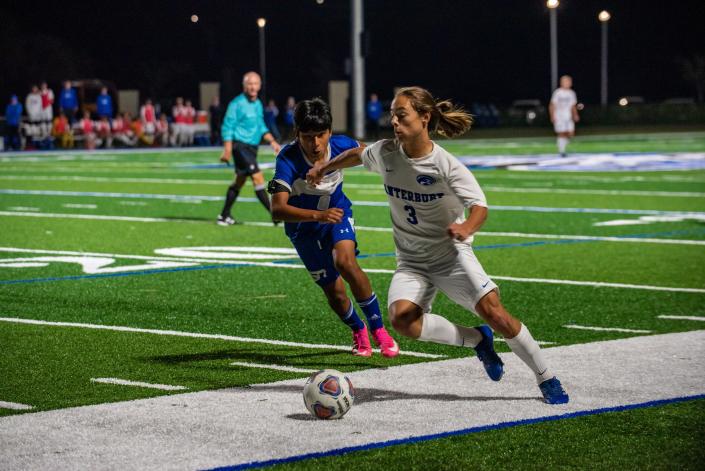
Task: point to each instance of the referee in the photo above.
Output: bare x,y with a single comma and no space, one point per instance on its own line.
242,130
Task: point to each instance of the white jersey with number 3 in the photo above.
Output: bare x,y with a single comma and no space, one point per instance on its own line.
426,195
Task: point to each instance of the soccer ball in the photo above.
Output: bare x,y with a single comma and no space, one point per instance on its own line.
328,394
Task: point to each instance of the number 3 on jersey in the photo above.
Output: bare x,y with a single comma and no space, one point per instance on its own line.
412,214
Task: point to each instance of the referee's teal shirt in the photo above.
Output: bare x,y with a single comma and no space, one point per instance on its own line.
244,121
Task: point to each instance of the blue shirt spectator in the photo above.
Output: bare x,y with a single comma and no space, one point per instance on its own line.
374,108
68,101
13,112
104,104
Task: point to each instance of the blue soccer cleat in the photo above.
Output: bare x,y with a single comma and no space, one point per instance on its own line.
553,392
489,358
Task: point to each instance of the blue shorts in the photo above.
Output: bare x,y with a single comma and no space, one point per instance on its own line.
316,250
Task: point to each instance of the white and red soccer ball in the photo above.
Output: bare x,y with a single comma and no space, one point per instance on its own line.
328,394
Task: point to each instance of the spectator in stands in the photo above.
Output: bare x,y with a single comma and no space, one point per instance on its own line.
103,133
178,114
86,130
289,118
61,131
122,133
33,106
271,112
13,120
161,134
47,96
215,113
104,104
149,117
138,131
374,113
189,121
68,102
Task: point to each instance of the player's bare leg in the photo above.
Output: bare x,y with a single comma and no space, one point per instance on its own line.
521,342
346,264
409,319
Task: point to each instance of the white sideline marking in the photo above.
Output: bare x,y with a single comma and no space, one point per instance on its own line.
22,208
361,186
359,228
683,318
139,384
178,333
272,367
606,329
15,406
596,284
209,429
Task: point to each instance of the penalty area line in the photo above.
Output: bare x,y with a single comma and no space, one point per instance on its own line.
178,333
138,384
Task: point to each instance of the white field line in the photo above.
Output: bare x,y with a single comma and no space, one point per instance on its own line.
221,428
596,284
606,329
272,367
80,206
362,186
22,208
539,209
101,217
139,384
684,318
178,333
14,406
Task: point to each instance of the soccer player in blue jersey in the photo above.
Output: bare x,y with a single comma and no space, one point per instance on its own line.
318,220
242,130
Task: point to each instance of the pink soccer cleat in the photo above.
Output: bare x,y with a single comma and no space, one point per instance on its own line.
385,342
361,343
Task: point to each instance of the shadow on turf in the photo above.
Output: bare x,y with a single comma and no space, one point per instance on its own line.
317,359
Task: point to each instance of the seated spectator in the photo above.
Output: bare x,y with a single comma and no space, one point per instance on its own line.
85,129
161,134
103,132
13,120
61,131
122,132
138,130
149,117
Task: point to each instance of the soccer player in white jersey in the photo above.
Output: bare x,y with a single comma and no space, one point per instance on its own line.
429,192
319,223
563,111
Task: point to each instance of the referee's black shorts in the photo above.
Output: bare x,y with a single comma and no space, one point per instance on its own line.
245,157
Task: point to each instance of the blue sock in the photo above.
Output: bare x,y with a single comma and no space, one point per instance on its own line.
370,307
352,320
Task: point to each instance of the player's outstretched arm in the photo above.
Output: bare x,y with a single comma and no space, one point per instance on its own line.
349,158
283,211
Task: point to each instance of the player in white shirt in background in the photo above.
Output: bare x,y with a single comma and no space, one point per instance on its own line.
429,192
563,110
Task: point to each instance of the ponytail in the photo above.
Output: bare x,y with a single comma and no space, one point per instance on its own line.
447,119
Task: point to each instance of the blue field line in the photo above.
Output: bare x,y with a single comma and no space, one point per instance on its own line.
455,433
361,256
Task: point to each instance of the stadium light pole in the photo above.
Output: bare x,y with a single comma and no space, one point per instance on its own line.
604,18
261,22
552,6
358,68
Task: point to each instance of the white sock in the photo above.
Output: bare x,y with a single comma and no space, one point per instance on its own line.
526,348
562,144
438,329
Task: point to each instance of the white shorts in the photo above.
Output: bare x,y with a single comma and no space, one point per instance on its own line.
564,125
461,277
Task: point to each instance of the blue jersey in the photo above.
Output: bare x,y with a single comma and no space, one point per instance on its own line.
291,169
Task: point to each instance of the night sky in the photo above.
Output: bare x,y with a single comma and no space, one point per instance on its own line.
479,50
